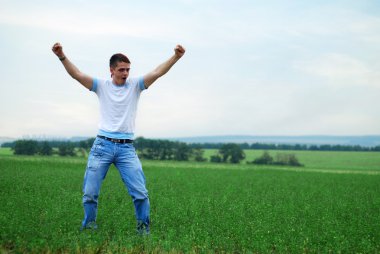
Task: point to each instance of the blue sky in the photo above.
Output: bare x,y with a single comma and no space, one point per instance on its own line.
251,67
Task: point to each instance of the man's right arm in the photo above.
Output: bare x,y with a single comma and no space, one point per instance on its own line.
74,72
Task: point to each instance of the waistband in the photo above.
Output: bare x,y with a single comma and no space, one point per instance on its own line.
115,140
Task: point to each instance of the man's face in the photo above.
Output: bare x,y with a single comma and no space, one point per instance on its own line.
120,73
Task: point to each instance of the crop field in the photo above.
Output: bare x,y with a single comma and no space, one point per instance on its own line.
330,205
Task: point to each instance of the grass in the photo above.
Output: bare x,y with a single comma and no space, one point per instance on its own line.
5,151
329,160
197,207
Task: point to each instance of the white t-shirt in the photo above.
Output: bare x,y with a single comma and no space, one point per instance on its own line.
118,106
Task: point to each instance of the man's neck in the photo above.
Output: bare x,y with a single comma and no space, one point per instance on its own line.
118,83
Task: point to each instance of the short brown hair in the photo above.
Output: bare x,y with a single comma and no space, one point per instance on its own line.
118,58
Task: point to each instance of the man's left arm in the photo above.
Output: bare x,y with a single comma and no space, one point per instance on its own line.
163,68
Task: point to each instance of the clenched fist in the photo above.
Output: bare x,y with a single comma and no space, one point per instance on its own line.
179,51
57,49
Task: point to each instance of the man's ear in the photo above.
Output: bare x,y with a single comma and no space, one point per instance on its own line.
111,70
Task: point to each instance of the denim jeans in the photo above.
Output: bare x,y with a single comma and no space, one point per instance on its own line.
103,153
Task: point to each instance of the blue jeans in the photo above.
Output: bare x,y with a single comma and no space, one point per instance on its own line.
103,153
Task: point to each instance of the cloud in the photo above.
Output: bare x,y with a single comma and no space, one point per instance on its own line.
92,22
340,70
51,118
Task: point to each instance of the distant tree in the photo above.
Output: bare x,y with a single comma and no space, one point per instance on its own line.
300,147
182,152
293,161
86,144
45,148
265,158
313,148
216,158
281,159
325,147
165,149
284,147
244,146
66,149
287,159
26,147
198,154
231,153
158,149
259,146
9,145
144,147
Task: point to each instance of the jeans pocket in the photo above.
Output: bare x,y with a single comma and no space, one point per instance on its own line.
95,155
93,161
97,147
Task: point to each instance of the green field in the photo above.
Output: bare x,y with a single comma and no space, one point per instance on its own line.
330,205
5,151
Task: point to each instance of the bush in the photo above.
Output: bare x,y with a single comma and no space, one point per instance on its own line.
231,153
263,159
287,159
216,158
283,159
45,149
26,147
181,151
158,149
198,155
66,149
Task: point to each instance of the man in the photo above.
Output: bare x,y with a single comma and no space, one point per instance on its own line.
118,99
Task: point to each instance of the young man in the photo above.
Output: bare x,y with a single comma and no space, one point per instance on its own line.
118,98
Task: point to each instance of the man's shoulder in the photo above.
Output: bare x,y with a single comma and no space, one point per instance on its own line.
102,80
99,84
133,80
137,81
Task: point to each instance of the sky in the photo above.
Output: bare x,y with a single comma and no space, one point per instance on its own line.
250,68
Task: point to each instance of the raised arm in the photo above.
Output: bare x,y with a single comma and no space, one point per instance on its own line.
163,68
74,72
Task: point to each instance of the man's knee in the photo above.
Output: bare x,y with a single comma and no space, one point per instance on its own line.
139,194
90,198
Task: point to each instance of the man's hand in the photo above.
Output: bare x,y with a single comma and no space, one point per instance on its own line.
57,49
179,51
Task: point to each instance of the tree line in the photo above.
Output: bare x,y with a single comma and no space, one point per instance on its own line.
157,149
86,144
294,147
33,147
152,149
